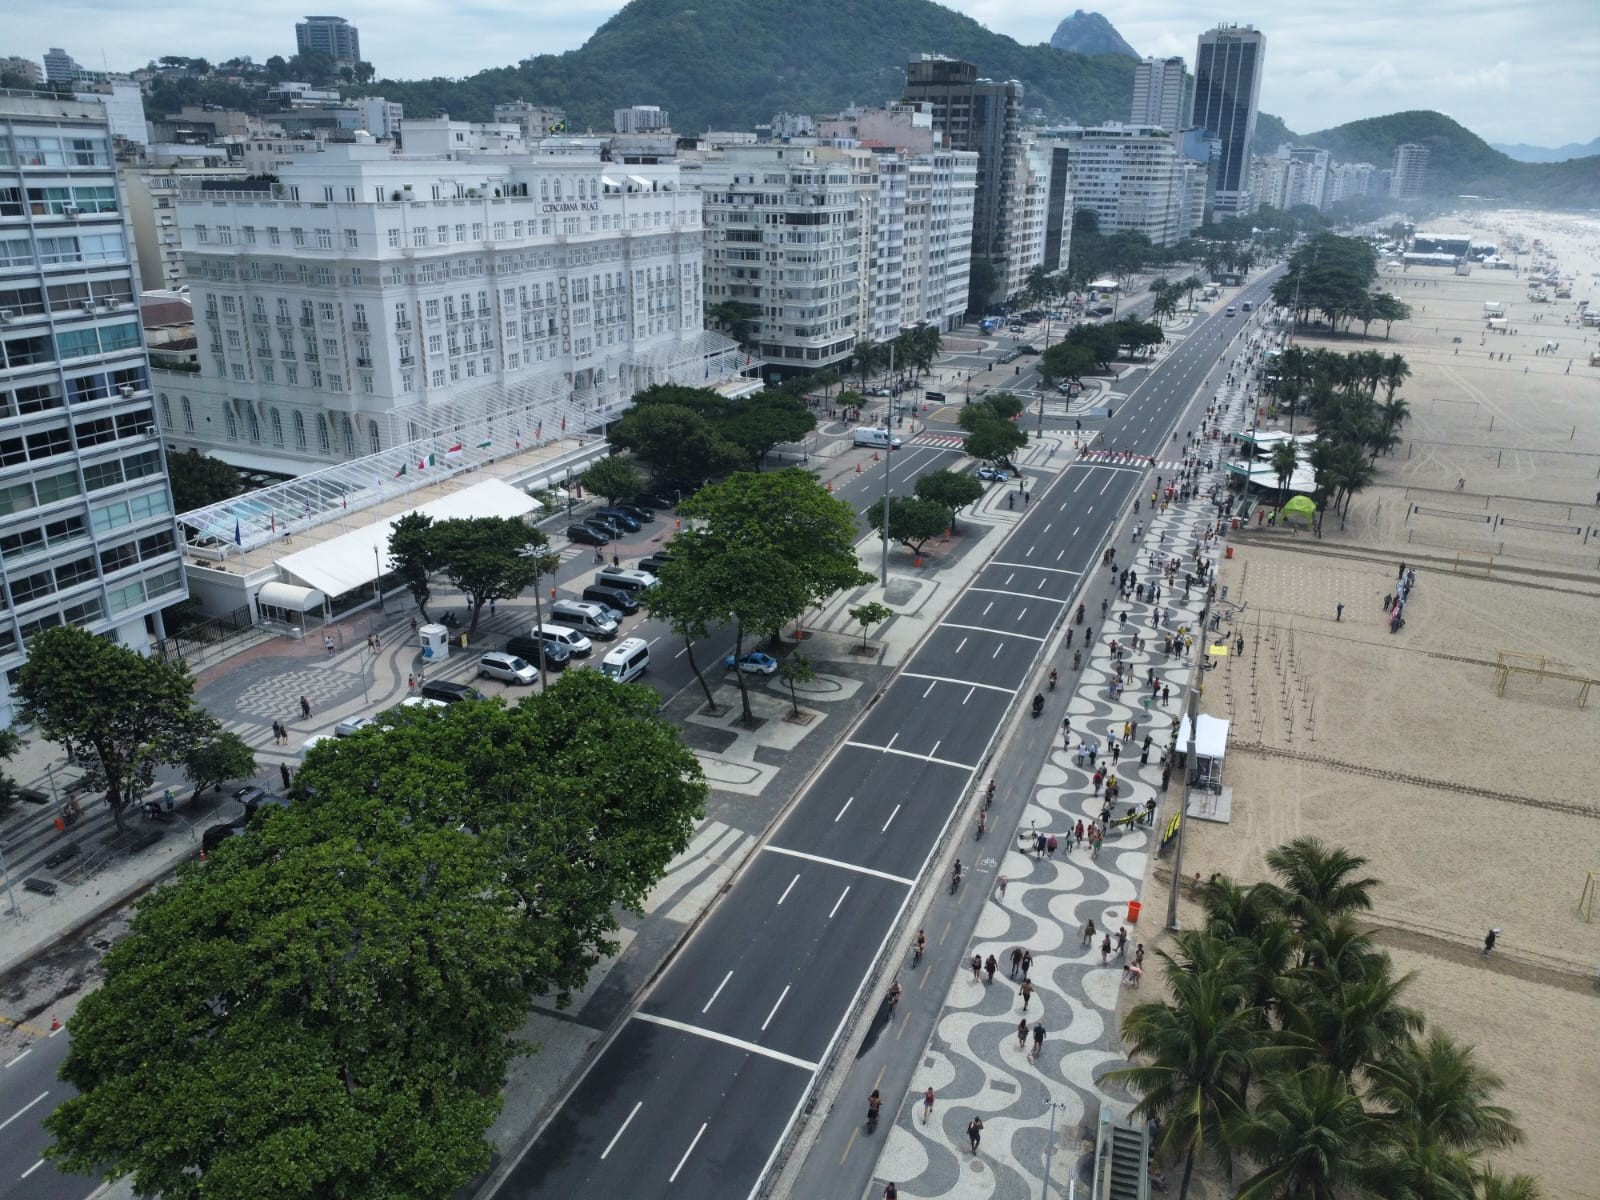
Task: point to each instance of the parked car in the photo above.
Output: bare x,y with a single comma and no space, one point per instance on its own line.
637,511
556,656
351,725
585,535
754,663
215,835
618,600
626,521
446,692
508,668
653,500
1027,349
993,474
653,562
606,525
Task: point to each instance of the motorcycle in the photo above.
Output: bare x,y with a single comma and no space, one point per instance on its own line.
1038,704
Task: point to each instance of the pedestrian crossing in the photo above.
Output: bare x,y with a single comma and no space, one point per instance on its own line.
950,441
1124,458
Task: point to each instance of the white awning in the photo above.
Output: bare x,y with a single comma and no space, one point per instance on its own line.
1210,739
355,559
288,596
1104,285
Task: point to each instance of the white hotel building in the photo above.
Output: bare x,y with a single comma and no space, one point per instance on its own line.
482,293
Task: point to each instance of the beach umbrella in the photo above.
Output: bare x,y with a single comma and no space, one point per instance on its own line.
1300,508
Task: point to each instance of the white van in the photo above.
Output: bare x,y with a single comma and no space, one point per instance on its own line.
866,436
627,660
312,742
577,645
585,616
627,578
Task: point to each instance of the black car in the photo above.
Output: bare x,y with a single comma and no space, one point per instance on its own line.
606,525
616,516
215,835
652,500
585,535
618,598
555,654
637,511
654,562
1026,349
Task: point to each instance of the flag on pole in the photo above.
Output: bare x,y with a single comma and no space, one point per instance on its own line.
238,534
401,471
422,463
538,434
563,422
453,451
433,460
518,437
273,519
485,444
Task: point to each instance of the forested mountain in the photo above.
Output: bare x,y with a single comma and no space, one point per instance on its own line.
1523,152
730,63
1462,163
1090,33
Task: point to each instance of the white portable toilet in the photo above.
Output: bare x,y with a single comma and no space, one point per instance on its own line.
435,643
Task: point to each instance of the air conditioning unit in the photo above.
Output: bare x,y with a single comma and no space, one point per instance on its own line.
88,306
6,315
126,389
72,210
113,304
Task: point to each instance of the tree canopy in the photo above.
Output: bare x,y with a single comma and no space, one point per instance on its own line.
912,522
198,480
613,477
488,558
329,1005
953,490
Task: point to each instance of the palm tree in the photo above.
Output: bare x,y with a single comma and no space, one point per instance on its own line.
1285,457
865,358
1352,472
1394,372
1508,1187
1440,1093
1196,1049
1310,1134
1348,1025
1316,878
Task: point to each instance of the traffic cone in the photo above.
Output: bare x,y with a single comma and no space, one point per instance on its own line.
55,1023
858,468
830,487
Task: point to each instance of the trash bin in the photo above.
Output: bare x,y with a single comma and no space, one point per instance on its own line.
1236,522
1134,909
1230,552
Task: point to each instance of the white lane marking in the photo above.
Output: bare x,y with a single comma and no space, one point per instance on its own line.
726,1039
1013,574
962,646
33,1168
982,629
972,691
1035,567
889,745
942,762
935,750
999,646
699,1133
1082,479
839,901
890,821
1046,529
774,1011
709,1003
1075,529
931,686
20,1057
842,810
23,1109
1108,483
56,1030
787,890
637,1105
986,609
843,866
993,687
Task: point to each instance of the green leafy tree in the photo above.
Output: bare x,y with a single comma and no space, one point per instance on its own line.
763,549
1285,457
770,419
873,612
734,317
613,477
1312,1134
412,557
484,557
954,490
217,758
10,744
676,442
130,712
199,480
794,670
1067,360
1318,880
995,442
912,522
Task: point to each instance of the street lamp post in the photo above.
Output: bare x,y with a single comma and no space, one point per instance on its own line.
1188,764
888,458
1049,1152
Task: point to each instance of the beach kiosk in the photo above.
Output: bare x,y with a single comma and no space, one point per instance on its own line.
1210,748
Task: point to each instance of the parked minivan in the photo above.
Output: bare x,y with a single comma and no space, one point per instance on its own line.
555,655
449,693
616,599
627,660
624,577
561,635
585,616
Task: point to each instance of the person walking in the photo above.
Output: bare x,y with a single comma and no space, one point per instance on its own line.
1022,1033
1001,886
977,968
1122,942
1338,611
1026,991
927,1105
1088,933
1016,960
305,709
1038,1039
1027,963
989,966
975,1132
327,641
1488,941
283,768
1105,950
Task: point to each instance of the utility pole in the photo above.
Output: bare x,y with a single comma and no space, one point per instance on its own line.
1188,763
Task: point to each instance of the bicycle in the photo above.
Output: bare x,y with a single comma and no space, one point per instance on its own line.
981,821
955,877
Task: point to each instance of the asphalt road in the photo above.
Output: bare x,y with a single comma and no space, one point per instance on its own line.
29,1090
696,1093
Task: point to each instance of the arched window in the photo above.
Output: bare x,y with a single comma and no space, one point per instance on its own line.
544,189
322,434
253,423
299,431
166,412
188,414
277,427
558,189
372,435
233,425
349,438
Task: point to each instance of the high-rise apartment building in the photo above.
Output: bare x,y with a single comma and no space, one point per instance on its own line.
1346,181
25,67
373,300
87,535
333,36
986,117
61,68
1227,88
1160,87
640,118
1132,177
1290,177
788,232
1409,170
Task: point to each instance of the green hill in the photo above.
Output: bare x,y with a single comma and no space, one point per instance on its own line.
728,64
1462,163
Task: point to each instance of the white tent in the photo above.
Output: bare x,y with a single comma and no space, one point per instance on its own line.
1103,285
355,559
1210,748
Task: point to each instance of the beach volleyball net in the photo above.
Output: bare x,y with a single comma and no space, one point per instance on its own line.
1531,677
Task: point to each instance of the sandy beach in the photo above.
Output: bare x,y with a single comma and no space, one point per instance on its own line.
1475,809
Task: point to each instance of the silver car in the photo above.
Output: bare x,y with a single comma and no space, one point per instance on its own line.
508,668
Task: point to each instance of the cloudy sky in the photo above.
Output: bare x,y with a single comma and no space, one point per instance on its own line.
1508,71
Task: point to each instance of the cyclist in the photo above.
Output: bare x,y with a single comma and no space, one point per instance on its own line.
918,947
955,875
1052,679
894,994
